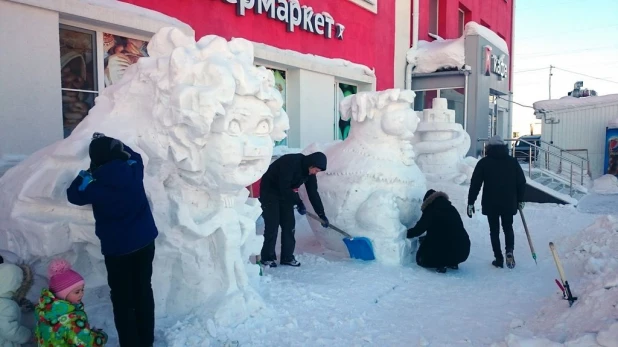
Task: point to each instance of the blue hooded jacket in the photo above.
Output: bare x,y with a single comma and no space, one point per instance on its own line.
123,219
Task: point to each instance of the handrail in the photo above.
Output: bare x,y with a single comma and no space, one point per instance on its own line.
538,149
560,148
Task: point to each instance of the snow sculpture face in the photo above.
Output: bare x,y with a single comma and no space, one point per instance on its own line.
372,186
204,120
240,146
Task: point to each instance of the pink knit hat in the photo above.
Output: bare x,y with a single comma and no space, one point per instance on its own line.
62,279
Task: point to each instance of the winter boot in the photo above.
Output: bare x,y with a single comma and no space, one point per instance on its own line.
498,263
510,260
268,263
291,262
441,270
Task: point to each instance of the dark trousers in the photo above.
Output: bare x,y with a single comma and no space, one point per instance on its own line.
129,278
277,215
494,232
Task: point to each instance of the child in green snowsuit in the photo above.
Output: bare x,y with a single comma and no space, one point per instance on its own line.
61,319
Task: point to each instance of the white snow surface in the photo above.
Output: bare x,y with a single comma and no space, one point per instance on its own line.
606,184
8,161
372,187
335,62
204,119
569,102
139,12
430,57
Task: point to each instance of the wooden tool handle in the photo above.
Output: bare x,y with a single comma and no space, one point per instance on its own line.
557,260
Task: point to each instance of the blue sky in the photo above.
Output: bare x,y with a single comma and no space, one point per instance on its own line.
575,35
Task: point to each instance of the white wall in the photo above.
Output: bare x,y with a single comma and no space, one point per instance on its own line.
582,128
311,107
30,100
403,23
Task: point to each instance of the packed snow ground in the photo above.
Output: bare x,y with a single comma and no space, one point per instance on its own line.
334,301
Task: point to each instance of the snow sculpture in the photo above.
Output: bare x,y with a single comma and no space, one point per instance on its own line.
441,144
372,186
204,118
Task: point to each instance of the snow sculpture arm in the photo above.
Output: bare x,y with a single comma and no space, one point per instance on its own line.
476,182
421,226
10,327
314,197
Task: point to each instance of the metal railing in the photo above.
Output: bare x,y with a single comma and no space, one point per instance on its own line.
553,160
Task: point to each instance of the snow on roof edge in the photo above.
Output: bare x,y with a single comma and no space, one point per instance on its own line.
569,102
473,28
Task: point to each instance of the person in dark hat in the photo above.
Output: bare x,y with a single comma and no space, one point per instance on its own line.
504,184
447,243
124,223
278,195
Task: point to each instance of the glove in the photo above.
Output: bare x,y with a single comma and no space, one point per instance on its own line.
470,210
86,180
300,207
521,205
325,222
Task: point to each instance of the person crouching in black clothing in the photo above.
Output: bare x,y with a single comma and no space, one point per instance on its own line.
447,243
278,197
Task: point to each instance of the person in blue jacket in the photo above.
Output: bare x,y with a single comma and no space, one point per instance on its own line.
124,223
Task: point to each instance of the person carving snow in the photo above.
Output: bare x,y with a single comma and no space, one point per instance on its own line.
447,243
125,225
15,281
504,185
61,319
278,195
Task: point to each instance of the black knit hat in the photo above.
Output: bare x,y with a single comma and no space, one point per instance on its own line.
428,194
104,149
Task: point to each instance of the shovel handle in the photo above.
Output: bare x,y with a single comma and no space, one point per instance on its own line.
557,261
329,225
523,221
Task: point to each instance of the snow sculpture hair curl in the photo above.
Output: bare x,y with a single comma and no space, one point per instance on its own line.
204,119
372,186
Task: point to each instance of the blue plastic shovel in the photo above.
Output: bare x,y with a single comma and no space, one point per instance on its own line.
358,247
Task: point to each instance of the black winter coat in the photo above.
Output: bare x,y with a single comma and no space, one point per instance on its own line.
502,179
447,243
288,173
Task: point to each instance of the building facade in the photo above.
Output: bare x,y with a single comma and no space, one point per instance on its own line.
479,89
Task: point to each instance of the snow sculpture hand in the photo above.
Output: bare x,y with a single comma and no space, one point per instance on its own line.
86,180
470,210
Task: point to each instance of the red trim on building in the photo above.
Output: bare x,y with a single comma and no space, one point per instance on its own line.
369,38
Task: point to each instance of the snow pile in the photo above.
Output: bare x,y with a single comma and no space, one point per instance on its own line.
8,161
569,102
267,50
606,184
434,56
204,119
138,11
372,187
591,263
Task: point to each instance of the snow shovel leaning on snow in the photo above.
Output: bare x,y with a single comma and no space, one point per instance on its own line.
523,220
564,286
358,247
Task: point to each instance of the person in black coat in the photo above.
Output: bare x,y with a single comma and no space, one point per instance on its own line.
504,185
278,195
447,243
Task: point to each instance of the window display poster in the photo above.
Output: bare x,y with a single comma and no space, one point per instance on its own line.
280,84
344,125
120,53
77,70
611,151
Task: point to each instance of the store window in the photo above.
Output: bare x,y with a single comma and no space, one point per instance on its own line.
120,53
280,84
343,126
78,75
434,12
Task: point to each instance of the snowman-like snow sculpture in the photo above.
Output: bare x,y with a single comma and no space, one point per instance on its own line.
204,119
372,186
